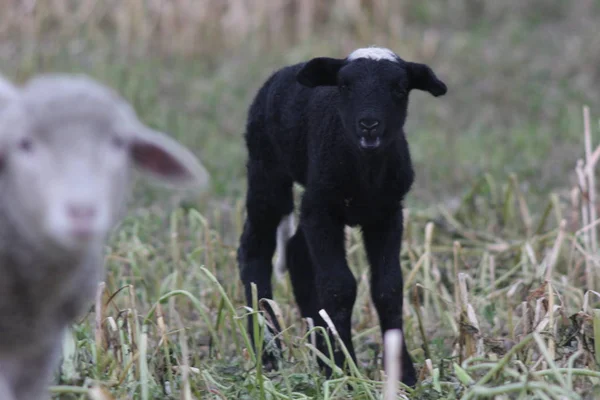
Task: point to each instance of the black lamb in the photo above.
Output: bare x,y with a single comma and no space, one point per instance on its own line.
335,126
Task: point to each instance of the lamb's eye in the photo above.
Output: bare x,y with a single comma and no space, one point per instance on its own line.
344,88
26,145
398,91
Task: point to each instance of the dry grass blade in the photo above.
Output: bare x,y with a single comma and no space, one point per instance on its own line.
392,344
590,175
144,378
352,365
313,335
585,171
100,314
336,335
552,258
99,393
597,336
186,393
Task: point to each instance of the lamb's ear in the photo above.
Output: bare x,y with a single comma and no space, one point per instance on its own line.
421,77
164,159
320,71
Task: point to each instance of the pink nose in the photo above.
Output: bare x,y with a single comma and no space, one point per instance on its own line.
81,213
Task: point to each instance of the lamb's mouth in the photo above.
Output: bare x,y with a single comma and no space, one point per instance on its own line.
369,143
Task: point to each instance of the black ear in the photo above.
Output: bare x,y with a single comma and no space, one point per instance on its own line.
320,71
421,77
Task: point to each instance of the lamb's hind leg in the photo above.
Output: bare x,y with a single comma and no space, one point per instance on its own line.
268,200
302,275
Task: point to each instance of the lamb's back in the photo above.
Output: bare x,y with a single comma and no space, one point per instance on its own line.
286,120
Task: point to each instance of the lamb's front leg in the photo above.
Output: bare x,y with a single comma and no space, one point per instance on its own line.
382,242
335,284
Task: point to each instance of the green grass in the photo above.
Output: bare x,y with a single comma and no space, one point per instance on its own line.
470,276
484,255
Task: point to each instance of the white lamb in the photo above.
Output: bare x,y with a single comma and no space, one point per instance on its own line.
67,145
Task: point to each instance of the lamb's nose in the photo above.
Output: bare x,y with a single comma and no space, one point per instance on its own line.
81,212
368,123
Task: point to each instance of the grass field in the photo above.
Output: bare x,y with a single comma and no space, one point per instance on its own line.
500,253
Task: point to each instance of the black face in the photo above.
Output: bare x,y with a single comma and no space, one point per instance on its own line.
373,94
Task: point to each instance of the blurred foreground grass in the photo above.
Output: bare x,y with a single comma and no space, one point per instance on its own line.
500,294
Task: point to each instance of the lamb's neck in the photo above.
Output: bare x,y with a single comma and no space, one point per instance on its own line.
38,263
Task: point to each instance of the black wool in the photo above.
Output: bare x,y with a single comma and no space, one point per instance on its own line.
335,126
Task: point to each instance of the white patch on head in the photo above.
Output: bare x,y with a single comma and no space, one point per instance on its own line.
373,53
285,230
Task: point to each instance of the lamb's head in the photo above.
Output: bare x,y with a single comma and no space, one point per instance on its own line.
373,85
66,147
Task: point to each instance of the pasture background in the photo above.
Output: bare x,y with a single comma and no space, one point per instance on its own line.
495,161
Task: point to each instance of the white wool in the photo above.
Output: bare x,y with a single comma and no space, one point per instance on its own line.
7,92
285,230
6,88
79,181
373,53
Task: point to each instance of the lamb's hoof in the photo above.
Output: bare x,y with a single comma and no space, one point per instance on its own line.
271,352
269,362
409,376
